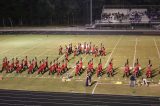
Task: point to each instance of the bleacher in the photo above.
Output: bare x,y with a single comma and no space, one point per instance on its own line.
124,16
114,15
128,17
138,16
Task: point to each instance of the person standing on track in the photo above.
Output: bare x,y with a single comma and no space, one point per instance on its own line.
132,80
88,80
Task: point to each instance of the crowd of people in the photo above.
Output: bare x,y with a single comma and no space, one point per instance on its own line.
133,16
83,49
32,66
137,69
114,16
60,67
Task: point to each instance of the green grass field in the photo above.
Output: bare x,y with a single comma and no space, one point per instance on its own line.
120,48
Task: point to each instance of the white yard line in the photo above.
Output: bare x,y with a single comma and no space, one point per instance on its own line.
106,63
61,57
156,48
110,84
112,52
4,51
94,87
135,51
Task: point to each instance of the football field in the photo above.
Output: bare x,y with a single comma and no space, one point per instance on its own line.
120,48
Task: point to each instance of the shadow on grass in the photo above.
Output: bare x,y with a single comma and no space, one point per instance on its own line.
71,58
64,72
140,72
114,72
102,73
82,71
155,72
70,77
94,72
94,82
46,70
23,70
108,53
115,69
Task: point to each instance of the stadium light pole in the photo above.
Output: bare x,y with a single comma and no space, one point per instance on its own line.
90,12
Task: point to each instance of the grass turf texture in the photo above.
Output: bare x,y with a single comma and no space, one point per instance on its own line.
120,48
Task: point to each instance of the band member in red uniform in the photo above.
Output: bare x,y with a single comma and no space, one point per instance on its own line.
70,51
26,62
36,63
17,63
46,64
149,70
136,71
103,51
56,65
126,69
59,69
90,66
4,64
40,67
63,67
96,52
81,65
75,51
84,47
51,68
66,48
20,67
77,69
30,68
110,69
99,69
66,65
89,69
66,56
93,50
12,65
87,49
60,50
90,45
8,67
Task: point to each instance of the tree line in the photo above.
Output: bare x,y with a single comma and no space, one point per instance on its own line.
55,12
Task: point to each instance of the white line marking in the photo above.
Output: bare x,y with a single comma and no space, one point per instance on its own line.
106,63
7,75
135,50
37,76
156,48
28,50
112,52
4,51
95,87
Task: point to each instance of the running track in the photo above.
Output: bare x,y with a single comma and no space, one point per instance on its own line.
75,31
34,98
